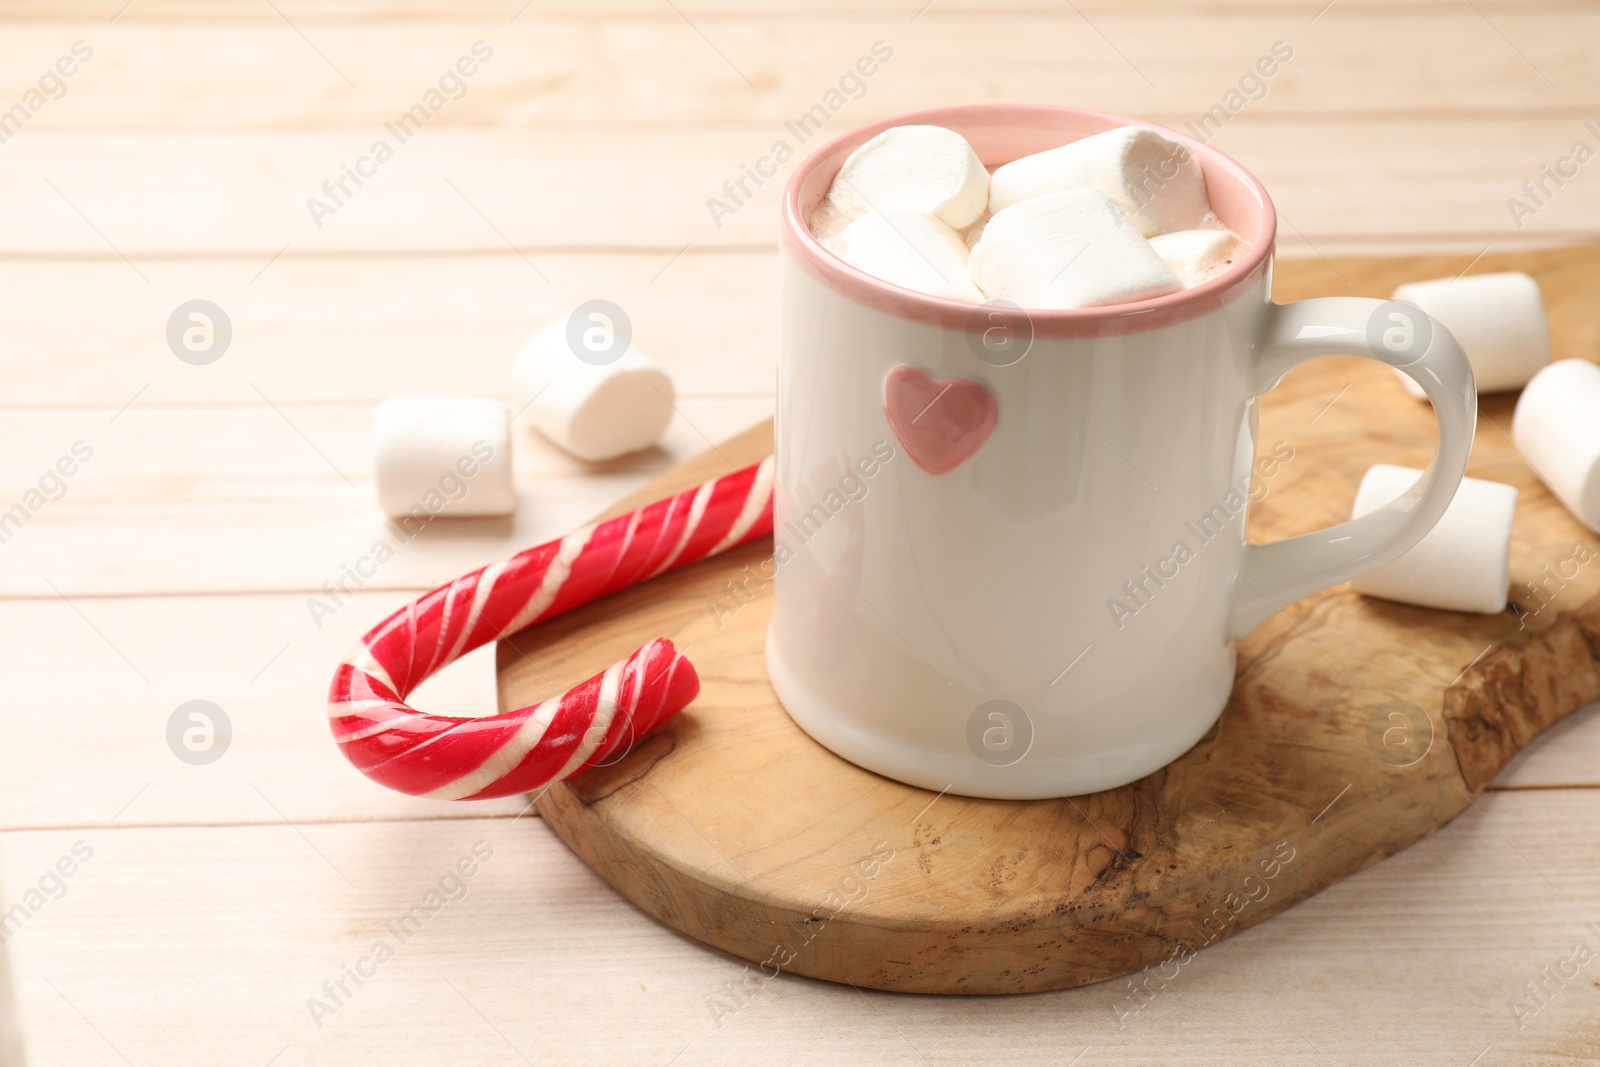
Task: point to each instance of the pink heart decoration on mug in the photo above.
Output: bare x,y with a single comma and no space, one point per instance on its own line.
940,422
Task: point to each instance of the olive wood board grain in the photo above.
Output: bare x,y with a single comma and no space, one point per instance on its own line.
1356,727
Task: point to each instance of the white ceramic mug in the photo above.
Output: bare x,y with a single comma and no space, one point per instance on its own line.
959,509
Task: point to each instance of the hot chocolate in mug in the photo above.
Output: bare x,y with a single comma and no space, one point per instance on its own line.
1011,549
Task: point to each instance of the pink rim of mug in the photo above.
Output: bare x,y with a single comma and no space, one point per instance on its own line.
1003,132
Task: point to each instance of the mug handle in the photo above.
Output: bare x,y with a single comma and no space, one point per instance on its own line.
1276,574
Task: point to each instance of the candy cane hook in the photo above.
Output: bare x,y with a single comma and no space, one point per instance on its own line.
474,759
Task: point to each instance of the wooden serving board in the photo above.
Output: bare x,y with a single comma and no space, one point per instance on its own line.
1356,727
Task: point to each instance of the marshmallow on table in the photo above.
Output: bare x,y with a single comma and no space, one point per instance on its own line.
921,168
1463,564
910,249
1071,249
447,455
1557,429
1497,319
1197,256
593,408
1157,181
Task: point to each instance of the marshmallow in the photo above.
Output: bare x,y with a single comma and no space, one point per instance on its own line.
594,409
1197,256
826,223
1071,249
1557,429
920,168
448,455
974,233
1497,319
1463,564
910,249
1157,181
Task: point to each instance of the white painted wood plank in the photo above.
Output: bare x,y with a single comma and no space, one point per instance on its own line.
657,65
317,330
147,195
1566,754
1410,962
98,752
258,499
323,11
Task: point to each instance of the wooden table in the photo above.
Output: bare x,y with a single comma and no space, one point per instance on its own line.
211,907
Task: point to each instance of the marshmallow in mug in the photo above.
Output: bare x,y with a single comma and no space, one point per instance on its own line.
449,455
1071,249
893,212
910,249
1463,564
1556,427
1156,180
928,169
593,410
1497,319
1197,256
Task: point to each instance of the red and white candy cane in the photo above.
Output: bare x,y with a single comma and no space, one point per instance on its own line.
473,759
